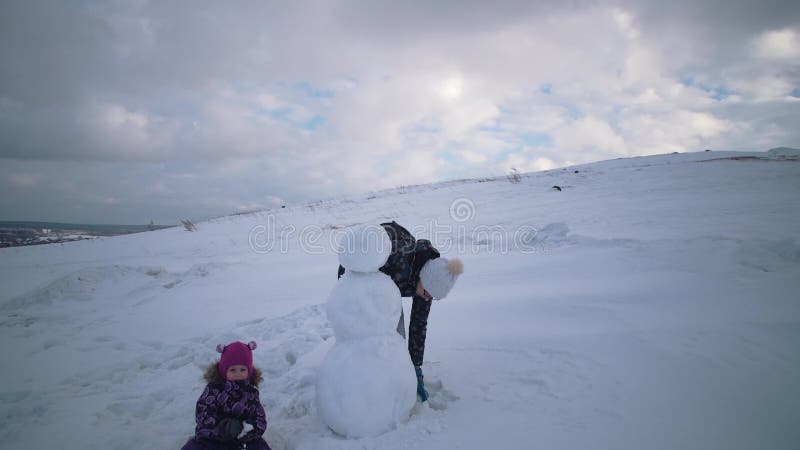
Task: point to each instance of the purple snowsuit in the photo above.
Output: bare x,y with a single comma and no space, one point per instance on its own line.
221,399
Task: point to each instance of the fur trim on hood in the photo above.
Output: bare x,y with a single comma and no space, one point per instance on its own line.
211,375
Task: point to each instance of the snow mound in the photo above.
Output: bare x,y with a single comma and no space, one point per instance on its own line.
83,285
366,387
671,274
784,153
769,256
364,248
551,233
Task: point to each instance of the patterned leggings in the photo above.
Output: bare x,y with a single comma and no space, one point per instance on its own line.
417,328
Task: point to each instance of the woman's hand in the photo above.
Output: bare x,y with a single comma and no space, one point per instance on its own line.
421,292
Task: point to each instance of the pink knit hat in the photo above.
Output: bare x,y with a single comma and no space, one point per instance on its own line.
236,354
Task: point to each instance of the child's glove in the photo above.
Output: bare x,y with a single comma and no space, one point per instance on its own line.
248,434
249,437
423,394
229,428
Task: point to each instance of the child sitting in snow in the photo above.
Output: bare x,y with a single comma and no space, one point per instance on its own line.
229,401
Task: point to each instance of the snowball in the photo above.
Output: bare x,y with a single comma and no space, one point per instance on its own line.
363,305
245,429
366,387
364,248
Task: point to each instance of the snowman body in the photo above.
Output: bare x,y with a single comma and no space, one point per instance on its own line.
366,385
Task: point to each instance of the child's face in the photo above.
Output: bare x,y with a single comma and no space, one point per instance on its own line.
237,373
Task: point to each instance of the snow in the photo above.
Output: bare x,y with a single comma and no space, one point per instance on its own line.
364,248
366,384
784,153
652,303
363,305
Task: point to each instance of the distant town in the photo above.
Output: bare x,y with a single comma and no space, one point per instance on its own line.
14,234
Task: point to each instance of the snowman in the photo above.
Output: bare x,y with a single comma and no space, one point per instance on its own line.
366,385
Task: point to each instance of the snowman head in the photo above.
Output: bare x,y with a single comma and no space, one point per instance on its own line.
364,248
438,276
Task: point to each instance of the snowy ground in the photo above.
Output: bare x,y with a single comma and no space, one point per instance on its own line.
655,306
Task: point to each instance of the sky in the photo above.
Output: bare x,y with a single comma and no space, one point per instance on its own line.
131,111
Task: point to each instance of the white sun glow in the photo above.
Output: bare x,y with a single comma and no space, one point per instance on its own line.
452,88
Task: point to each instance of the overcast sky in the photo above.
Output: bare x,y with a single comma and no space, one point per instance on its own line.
131,111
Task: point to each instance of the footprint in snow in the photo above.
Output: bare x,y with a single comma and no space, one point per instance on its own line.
439,397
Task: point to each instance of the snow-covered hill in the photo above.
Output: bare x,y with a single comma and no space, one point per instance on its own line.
651,303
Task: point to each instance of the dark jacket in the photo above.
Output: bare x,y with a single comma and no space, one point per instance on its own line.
236,399
407,258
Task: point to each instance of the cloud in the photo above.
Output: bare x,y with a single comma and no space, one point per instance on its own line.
109,200
24,180
589,137
778,44
675,131
213,108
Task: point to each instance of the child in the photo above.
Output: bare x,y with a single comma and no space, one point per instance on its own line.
229,400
